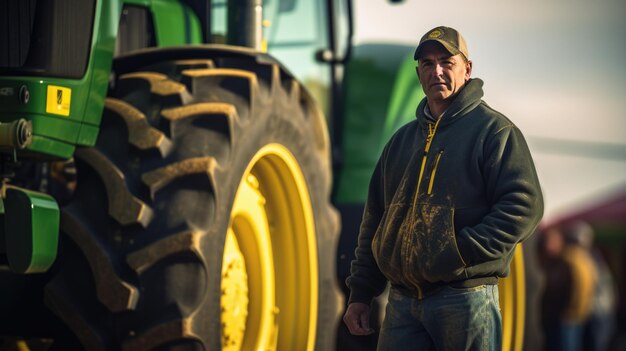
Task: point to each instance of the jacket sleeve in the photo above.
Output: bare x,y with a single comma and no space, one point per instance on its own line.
365,280
515,198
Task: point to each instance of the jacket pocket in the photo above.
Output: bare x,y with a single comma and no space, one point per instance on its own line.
432,254
389,242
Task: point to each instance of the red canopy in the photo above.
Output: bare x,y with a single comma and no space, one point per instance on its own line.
611,211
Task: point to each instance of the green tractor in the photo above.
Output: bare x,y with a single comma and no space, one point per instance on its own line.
167,171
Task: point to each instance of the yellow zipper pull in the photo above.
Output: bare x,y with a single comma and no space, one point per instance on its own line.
431,136
429,140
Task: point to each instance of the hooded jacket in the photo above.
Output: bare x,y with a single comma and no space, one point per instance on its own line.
447,203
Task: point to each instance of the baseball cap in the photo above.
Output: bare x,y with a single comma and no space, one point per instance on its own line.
451,40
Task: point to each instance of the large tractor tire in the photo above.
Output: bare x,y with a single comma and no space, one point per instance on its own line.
201,219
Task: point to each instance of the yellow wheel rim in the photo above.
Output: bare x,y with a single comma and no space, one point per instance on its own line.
513,304
269,273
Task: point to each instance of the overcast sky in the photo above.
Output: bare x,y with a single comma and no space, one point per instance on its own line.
556,68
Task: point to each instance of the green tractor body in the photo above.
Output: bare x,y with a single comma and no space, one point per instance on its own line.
167,170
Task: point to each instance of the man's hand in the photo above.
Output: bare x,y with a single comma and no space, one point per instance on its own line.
357,318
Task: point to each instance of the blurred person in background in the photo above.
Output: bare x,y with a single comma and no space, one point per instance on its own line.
571,280
558,288
584,279
600,324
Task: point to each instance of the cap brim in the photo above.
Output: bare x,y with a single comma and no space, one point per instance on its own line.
449,48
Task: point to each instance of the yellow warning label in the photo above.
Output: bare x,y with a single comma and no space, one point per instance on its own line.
58,100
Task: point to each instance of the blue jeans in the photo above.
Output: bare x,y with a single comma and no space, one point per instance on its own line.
572,336
451,319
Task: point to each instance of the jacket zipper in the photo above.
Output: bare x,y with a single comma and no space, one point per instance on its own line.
432,174
405,248
429,140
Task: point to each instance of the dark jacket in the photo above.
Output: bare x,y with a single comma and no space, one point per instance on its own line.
478,197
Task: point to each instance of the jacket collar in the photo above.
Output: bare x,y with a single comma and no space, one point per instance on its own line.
467,99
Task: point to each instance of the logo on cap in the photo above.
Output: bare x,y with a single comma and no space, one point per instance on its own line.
435,34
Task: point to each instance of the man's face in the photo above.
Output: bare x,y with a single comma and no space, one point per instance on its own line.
441,75
553,243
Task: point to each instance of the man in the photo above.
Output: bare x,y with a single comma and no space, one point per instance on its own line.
452,194
584,273
557,292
